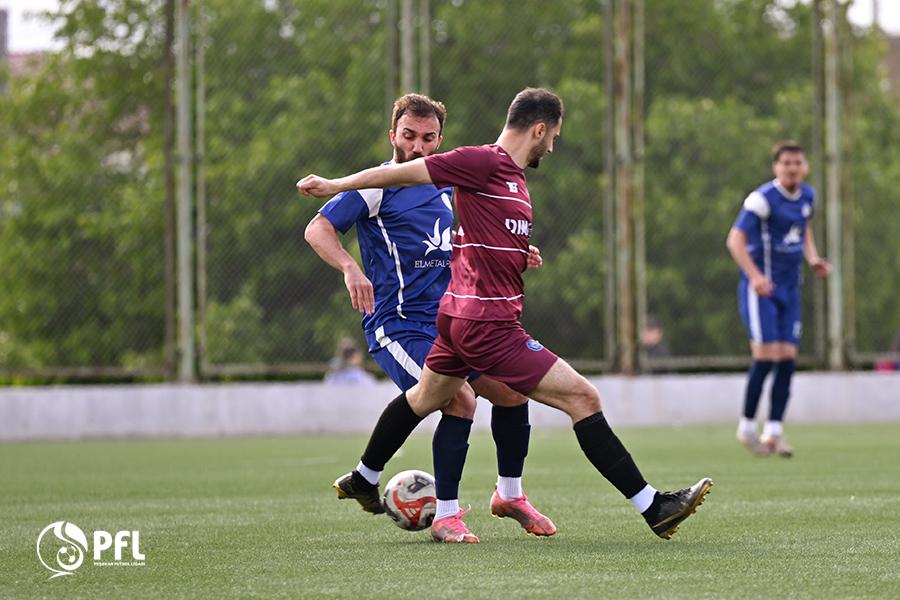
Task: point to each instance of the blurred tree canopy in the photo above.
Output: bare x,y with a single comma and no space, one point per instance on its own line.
299,86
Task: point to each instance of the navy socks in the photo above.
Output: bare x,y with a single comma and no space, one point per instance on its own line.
781,389
450,446
755,380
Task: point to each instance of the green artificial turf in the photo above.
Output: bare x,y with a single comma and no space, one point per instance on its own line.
258,518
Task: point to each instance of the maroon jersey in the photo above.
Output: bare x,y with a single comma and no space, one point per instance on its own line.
491,247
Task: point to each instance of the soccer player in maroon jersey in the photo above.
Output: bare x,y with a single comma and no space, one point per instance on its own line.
478,320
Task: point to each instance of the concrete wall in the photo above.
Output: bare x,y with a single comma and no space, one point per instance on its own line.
72,412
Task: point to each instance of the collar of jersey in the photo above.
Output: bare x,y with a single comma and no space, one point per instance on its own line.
795,196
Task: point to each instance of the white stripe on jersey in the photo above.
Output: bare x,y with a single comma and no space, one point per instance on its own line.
504,198
392,251
483,298
753,314
767,250
400,355
491,247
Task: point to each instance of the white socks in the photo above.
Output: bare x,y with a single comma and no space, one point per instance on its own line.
644,498
368,474
446,508
746,426
773,429
510,488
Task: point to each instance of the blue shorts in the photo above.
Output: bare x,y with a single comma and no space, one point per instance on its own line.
772,319
401,351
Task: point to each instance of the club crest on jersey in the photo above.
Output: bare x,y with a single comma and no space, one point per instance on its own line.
518,227
513,187
534,345
440,240
792,236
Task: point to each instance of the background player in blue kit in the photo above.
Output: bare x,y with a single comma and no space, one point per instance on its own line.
405,238
769,241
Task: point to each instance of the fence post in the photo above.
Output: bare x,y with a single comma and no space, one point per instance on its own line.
639,212
184,240
624,233
407,47
836,354
391,52
170,359
609,191
200,159
425,47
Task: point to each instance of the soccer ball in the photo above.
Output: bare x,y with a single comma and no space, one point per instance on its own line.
409,500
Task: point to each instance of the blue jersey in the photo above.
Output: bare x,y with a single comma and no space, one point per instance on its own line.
405,240
775,224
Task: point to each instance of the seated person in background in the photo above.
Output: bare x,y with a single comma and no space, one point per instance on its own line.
346,366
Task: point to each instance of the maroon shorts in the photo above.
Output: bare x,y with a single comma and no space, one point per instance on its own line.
502,350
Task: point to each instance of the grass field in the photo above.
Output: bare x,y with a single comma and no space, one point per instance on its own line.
258,518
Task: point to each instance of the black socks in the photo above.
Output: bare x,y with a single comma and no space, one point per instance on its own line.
511,431
608,455
394,425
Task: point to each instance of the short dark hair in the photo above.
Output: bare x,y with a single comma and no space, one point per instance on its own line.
786,146
420,106
534,105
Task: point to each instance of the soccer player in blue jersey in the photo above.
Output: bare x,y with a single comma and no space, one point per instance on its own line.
405,240
769,241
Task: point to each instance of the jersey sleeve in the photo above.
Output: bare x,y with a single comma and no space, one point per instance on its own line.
466,167
347,208
754,211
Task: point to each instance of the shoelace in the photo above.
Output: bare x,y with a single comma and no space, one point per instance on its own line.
455,524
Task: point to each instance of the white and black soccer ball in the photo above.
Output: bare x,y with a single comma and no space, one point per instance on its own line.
410,500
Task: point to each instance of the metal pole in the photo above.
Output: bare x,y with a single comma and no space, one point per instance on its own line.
848,222
170,358
200,157
391,52
185,230
425,46
624,241
609,167
407,48
833,189
818,168
4,44
637,132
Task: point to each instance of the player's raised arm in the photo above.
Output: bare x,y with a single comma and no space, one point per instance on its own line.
409,173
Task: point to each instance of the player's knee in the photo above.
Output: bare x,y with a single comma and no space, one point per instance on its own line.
583,399
461,405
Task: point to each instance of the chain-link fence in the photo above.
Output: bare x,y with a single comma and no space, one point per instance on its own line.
672,109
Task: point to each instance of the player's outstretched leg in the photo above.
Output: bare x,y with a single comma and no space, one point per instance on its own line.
563,388
397,421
